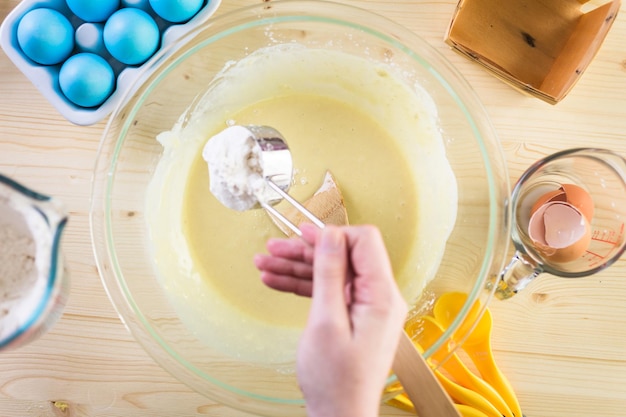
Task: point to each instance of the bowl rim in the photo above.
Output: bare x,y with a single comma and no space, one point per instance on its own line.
262,15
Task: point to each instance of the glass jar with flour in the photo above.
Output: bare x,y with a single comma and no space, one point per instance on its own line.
33,281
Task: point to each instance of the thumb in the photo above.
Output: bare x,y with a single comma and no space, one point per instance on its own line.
330,267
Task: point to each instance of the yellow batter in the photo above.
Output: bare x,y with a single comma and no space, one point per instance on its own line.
377,136
322,134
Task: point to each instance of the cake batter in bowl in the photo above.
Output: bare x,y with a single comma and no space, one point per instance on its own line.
409,144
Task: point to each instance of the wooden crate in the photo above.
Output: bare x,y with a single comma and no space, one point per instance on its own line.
541,47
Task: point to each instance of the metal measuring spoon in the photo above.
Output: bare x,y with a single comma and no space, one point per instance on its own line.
250,167
277,172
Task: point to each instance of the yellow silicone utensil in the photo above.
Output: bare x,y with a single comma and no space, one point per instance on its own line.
458,393
478,346
464,396
430,331
468,411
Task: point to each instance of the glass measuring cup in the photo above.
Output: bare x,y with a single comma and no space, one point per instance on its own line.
601,173
33,281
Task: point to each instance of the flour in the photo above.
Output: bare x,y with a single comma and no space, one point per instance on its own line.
18,275
17,263
24,263
236,169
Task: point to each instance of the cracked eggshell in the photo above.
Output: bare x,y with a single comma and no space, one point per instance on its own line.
570,193
556,195
579,198
559,231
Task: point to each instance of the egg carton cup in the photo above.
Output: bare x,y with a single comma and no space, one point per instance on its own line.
46,77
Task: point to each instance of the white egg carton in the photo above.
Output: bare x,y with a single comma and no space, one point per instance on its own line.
46,77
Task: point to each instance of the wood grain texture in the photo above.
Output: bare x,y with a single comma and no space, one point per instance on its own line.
561,343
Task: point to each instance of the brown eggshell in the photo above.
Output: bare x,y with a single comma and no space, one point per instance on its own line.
572,252
580,199
556,195
551,219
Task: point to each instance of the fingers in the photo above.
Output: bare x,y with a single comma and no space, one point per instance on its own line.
285,275
353,283
288,267
330,269
286,283
293,249
377,303
310,233
368,253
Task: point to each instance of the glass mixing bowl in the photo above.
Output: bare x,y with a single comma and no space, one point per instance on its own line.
169,89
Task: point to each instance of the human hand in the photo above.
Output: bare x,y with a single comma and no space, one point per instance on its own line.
356,317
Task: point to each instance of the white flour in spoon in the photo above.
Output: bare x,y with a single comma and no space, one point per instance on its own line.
236,169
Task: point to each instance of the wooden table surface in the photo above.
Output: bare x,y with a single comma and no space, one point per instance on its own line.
562,343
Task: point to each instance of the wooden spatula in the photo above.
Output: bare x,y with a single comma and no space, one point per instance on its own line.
420,383
326,204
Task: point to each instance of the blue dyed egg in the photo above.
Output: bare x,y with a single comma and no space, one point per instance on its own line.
176,11
45,36
131,36
93,10
86,79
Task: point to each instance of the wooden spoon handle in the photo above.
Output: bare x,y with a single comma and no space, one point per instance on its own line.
426,393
